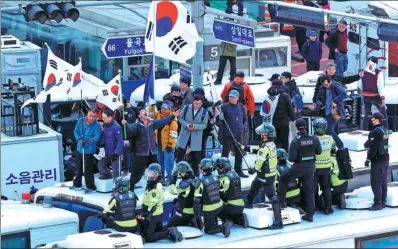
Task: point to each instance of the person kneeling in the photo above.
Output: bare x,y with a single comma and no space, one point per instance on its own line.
123,206
184,215
207,193
232,188
152,208
266,170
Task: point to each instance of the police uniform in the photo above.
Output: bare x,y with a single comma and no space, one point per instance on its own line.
323,164
302,153
208,192
184,205
379,158
152,211
232,197
293,194
266,170
123,206
339,187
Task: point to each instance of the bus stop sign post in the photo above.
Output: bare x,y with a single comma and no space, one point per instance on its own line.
234,33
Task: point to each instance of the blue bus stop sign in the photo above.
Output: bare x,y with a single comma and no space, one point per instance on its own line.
234,33
127,46
185,72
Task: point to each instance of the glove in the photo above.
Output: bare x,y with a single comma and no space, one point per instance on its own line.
252,171
366,144
89,141
115,157
254,150
367,163
240,145
173,180
169,149
218,103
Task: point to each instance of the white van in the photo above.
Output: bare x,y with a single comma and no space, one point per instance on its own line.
31,225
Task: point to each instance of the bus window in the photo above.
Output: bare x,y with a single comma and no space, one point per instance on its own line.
242,64
385,240
271,57
16,240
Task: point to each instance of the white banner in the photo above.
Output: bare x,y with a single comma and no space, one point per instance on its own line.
168,34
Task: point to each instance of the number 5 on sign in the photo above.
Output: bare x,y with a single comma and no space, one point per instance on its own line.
111,47
214,51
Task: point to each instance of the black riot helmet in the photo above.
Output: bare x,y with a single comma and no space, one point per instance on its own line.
223,164
206,165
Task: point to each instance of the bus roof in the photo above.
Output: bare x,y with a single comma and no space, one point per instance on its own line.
342,224
16,216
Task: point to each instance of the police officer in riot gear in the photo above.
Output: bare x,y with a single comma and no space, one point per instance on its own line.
323,164
266,170
378,158
184,215
293,195
152,208
302,153
207,193
232,193
123,205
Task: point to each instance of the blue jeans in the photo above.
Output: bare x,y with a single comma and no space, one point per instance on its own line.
341,63
369,101
332,123
166,160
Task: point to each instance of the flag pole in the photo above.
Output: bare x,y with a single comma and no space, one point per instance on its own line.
121,94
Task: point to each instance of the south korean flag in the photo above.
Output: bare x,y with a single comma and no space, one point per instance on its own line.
170,34
110,95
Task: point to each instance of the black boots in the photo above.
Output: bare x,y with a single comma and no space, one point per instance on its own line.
307,218
226,229
328,209
241,174
175,235
376,206
342,203
276,208
242,221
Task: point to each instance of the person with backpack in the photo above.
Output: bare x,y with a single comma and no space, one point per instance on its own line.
277,110
330,97
372,86
193,120
246,98
234,119
312,51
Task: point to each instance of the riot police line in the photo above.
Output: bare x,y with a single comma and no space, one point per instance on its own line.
287,179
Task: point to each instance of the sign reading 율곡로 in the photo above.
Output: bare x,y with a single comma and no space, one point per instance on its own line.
234,33
127,46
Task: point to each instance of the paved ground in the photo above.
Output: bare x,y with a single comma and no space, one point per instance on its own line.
299,68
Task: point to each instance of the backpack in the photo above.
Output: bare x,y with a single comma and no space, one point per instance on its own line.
203,114
296,100
241,89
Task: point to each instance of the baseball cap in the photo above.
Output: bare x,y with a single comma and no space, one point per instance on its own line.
166,106
300,124
240,74
234,93
313,33
275,76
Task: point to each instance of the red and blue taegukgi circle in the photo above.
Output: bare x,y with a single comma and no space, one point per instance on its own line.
166,18
266,107
115,90
77,79
51,81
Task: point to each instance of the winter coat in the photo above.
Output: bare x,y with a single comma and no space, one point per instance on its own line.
112,139
228,49
168,134
235,116
284,112
143,136
195,136
312,51
344,80
339,94
187,98
250,104
92,131
332,42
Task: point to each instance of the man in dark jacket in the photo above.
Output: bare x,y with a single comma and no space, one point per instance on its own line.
312,51
330,97
290,87
174,97
112,142
233,113
331,71
143,136
337,43
279,114
302,153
